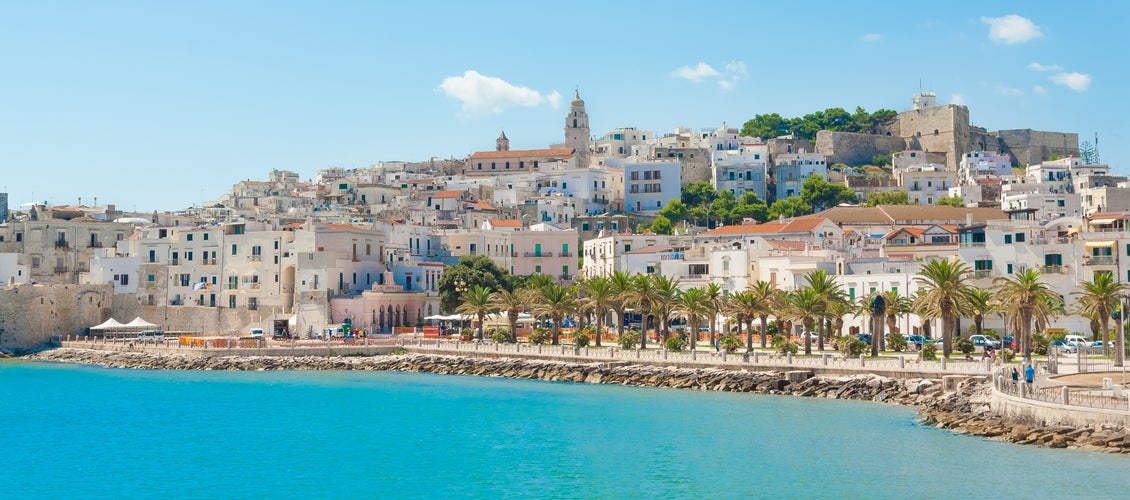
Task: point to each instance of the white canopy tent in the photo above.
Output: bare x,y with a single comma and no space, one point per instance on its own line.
110,324
139,324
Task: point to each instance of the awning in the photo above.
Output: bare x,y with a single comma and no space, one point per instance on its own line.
1099,244
1104,220
110,324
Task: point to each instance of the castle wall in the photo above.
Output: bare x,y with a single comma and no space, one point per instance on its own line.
855,149
939,129
31,314
1029,147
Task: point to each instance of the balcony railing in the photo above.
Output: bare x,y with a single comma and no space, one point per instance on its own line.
566,277
174,262
1098,260
982,274
539,254
60,270
565,254
972,244
259,258
1053,269
694,276
62,244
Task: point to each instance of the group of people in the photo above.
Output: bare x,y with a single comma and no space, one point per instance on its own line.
1029,375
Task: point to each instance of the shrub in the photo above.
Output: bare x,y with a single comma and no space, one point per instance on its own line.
466,334
539,336
930,352
1007,355
581,339
784,346
896,341
991,333
630,339
730,343
1039,344
675,343
850,345
964,345
499,336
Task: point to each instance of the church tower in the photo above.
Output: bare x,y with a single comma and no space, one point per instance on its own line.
502,143
577,130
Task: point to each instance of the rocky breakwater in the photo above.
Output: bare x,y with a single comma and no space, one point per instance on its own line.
964,411
967,411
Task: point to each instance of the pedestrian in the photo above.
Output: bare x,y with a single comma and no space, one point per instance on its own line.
1015,377
1029,375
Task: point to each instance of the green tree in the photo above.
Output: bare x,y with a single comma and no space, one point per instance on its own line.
979,302
675,211
826,288
766,296
1025,299
953,201
888,198
806,305
1097,300
621,282
717,300
750,206
666,297
821,194
723,206
943,284
468,272
661,225
881,160
641,295
698,194
789,207
1089,153
768,126
476,302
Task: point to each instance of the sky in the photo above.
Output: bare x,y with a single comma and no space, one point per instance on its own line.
166,105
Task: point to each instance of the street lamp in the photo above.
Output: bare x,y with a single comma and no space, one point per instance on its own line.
461,287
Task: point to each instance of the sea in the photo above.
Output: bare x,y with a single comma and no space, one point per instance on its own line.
72,431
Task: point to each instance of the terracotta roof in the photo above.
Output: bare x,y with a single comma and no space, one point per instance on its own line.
886,214
522,153
913,231
481,205
505,223
338,226
794,226
787,244
451,193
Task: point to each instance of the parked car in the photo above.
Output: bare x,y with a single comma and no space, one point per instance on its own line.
1008,342
256,333
865,337
985,341
151,336
1063,347
918,340
1077,340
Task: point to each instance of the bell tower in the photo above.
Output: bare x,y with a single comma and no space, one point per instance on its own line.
577,130
502,143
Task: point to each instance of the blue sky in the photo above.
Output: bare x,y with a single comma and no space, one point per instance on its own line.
162,105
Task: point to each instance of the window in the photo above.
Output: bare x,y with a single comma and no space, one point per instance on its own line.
1008,239
1020,237
231,302
537,269
188,237
1009,268
187,256
151,278
184,279
205,236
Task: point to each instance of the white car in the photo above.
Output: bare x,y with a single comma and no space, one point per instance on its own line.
256,333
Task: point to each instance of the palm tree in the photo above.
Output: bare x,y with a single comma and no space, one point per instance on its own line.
943,283
620,282
557,302
1025,298
825,287
666,297
743,307
512,303
599,295
642,295
806,305
1097,300
979,303
837,310
766,295
693,304
476,302
717,301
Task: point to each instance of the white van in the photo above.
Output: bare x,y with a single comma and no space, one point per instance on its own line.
256,333
151,336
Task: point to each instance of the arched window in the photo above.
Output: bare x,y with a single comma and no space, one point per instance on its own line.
574,123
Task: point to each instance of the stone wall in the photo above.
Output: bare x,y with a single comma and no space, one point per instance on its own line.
855,149
939,129
1029,147
31,314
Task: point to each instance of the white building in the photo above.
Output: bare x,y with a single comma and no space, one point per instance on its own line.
925,184
741,170
983,165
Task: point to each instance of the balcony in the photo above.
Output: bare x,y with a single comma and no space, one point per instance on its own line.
694,277
1052,269
1098,260
566,277
62,244
259,258
972,244
174,262
983,274
538,254
60,270
565,254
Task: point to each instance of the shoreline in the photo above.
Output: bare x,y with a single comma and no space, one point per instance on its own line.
964,411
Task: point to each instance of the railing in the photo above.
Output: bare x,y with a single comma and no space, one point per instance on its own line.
60,270
983,274
539,254
259,258
1098,260
1110,398
1053,269
972,244
566,277
62,244
565,254
174,262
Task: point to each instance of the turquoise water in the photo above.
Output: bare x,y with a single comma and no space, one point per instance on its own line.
76,431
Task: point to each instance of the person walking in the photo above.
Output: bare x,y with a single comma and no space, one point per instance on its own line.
1029,375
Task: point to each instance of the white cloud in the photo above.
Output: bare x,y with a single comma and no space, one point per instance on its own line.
1002,90
727,79
872,37
1078,82
695,74
1039,89
481,93
957,99
1012,29
1044,67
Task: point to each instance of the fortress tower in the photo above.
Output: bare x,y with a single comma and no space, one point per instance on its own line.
502,143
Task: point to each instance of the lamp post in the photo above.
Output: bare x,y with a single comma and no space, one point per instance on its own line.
461,287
